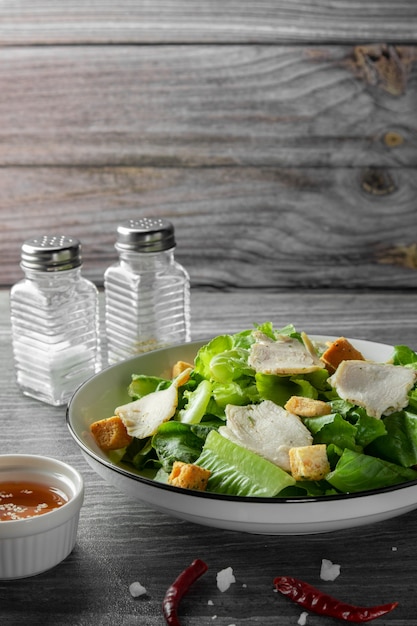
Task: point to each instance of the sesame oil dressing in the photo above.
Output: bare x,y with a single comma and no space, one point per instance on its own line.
20,500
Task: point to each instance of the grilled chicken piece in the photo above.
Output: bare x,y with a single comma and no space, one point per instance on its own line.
379,388
143,417
286,356
266,429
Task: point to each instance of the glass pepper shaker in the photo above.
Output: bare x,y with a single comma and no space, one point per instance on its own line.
147,292
55,323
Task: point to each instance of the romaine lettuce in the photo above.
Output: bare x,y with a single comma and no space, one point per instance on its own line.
279,389
403,355
141,385
360,472
240,472
333,429
196,403
177,442
399,444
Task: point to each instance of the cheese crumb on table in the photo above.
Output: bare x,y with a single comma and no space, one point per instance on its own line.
136,590
225,578
302,620
329,570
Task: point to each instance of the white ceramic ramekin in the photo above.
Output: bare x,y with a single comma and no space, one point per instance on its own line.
33,545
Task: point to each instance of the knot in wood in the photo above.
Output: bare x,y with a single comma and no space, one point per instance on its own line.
384,66
392,139
402,255
377,182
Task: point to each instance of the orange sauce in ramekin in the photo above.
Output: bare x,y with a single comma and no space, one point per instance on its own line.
20,500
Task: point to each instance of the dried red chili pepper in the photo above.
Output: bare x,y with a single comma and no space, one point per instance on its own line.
178,588
316,601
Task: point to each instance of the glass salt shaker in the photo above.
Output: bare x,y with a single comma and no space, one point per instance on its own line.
55,323
147,292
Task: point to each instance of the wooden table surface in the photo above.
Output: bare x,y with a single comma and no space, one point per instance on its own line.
121,541
279,137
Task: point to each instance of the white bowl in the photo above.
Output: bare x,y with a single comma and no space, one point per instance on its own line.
35,544
99,396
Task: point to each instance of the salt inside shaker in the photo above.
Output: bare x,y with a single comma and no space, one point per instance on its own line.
54,317
147,292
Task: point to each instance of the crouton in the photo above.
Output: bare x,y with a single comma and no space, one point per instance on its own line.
188,476
179,367
340,350
307,407
309,462
110,433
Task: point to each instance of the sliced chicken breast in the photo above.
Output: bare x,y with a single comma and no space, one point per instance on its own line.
143,417
379,388
266,429
285,356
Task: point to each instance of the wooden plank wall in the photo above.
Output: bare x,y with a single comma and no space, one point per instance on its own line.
280,137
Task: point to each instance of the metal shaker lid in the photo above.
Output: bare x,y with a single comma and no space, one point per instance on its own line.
145,235
51,253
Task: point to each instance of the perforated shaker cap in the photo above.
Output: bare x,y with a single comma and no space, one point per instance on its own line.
51,253
145,235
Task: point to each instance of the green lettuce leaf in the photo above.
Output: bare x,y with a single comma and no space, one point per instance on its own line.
412,401
176,442
140,454
403,355
337,431
360,472
267,328
310,488
367,428
238,393
219,344
196,403
356,431
399,444
240,472
230,365
279,389
141,385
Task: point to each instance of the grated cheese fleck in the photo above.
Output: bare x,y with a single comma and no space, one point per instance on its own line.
302,620
225,578
329,570
136,590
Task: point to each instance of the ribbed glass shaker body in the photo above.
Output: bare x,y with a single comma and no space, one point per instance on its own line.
55,323
147,292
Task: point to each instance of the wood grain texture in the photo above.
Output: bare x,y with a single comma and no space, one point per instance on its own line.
121,540
205,106
262,228
217,21
280,166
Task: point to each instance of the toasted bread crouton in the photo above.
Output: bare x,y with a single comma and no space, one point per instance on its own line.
307,407
188,476
179,367
340,350
182,377
110,433
309,462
